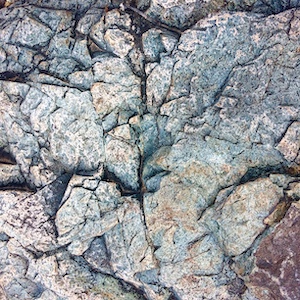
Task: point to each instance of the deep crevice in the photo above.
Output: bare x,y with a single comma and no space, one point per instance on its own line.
174,295
17,187
13,76
254,173
6,158
50,252
111,177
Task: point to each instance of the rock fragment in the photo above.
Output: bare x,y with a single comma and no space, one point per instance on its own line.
277,261
289,145
123,160
93,213
27,216
46,116
116,88
32,34
10,175
238,229
109,33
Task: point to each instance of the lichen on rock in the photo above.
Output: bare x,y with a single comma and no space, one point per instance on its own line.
149,149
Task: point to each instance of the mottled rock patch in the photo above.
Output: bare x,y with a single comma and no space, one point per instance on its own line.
277,261
149,149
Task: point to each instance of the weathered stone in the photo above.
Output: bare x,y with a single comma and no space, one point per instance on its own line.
208,169
184,14
183,246
116,88
275,275
179,14
97,255
60,45
278,213
177,123
27,216
57,276
122,132
31,33
237,228
123,160
153,45
91,216
289,145
80,130
81,53
132,252
158,82
81,79
44,107
90,18
10,175
294,191
110,35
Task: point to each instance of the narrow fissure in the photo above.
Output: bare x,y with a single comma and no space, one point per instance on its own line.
259,172
111,177
141,25
125,286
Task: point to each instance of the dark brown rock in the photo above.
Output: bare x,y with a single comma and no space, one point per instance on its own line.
276,275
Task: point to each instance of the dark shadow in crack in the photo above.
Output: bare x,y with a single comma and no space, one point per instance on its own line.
6,158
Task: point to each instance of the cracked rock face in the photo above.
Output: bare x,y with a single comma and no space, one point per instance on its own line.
149,149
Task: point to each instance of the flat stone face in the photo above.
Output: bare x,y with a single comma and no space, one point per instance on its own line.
277,260
239,228
149,150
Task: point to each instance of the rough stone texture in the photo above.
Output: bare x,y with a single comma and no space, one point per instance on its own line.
277,261
124,97
289,144
238,228
149,149
182,14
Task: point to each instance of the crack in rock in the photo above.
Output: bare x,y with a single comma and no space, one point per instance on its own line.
149,149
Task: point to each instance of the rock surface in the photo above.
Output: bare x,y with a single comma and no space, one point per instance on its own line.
277,260
149,149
